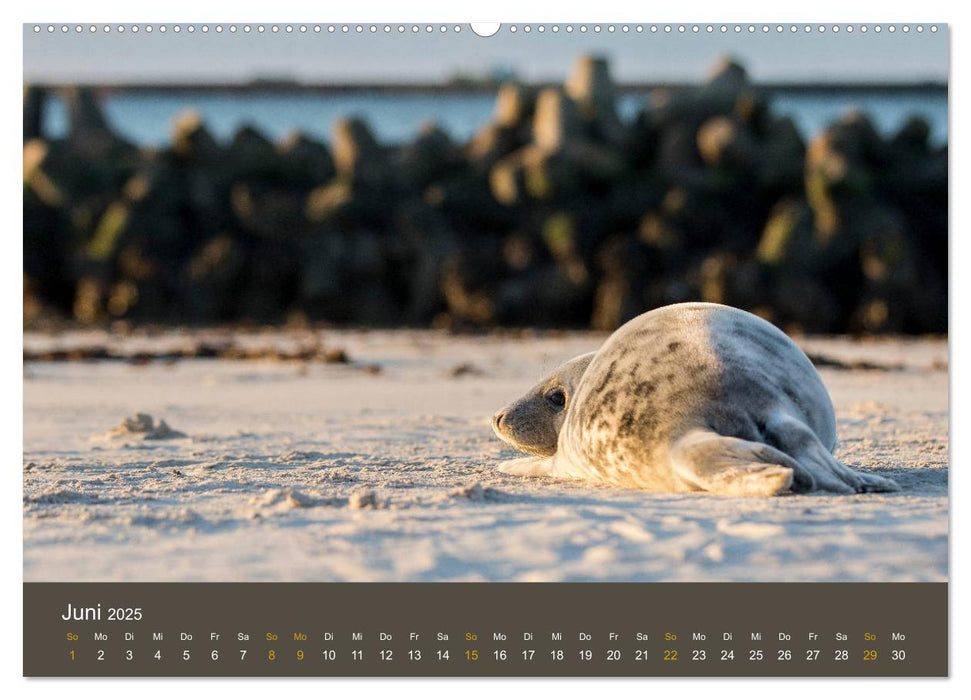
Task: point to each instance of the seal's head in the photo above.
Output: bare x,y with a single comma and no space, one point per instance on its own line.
532,423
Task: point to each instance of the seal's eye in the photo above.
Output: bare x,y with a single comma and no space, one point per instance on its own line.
557,398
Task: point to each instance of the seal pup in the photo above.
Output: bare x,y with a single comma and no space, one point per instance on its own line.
687,397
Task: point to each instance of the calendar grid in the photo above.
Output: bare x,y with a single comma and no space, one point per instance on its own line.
463,629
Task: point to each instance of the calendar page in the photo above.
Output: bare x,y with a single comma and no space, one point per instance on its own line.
423,349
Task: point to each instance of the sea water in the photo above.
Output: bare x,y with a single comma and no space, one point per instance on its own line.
146,118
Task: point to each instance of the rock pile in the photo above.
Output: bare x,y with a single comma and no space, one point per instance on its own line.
556,213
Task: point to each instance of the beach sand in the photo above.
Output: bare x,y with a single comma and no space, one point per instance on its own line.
383,469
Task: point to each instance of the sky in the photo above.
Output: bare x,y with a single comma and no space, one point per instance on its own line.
433,57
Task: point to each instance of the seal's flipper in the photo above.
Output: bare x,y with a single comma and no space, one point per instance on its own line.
528,466
795,438
730,466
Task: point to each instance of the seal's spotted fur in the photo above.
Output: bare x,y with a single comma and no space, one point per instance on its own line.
683,398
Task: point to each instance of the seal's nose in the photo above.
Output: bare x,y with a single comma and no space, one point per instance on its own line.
497,419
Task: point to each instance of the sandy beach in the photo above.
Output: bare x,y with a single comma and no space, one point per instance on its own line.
383,469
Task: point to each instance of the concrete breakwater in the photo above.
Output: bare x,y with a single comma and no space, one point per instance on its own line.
556,213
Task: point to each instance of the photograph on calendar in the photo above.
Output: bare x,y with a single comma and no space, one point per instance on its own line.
405,303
